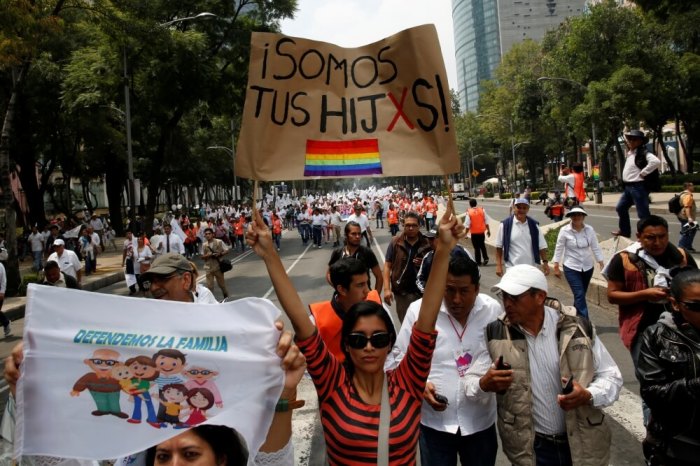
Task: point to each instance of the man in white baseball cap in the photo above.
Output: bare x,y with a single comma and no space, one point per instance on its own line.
67,260
520,240
551,371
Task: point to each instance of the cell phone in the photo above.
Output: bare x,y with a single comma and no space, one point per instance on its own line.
441,399
501,365
569,387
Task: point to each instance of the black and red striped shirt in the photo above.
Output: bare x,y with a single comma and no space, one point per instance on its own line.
350,425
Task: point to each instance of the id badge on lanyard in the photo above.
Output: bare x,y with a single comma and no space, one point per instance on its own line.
463,359
462,356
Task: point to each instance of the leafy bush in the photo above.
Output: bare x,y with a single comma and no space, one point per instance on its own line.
27,278
505,196
551,238
488,194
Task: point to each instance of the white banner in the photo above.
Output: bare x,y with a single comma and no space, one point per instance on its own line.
108,376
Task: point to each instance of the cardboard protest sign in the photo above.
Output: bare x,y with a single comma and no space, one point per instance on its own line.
316,110
109,376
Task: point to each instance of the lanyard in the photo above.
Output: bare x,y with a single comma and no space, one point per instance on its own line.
459,335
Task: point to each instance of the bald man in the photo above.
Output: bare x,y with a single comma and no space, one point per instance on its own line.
102,386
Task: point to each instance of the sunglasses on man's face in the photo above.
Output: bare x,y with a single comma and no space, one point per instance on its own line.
692,306
359,340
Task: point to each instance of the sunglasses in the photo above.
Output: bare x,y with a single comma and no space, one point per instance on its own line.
156,279
359,340
692,306
198,372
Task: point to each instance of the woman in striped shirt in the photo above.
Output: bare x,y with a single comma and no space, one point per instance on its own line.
350,394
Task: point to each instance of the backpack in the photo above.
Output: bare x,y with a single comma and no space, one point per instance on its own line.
674,204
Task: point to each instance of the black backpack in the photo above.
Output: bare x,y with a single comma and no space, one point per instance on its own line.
674,204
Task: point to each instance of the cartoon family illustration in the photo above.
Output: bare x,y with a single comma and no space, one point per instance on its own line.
185,393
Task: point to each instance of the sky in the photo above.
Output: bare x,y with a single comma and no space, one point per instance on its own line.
353,23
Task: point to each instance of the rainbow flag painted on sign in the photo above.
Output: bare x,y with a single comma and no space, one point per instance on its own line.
342,158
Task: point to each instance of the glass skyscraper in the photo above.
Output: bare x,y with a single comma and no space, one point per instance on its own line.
484,30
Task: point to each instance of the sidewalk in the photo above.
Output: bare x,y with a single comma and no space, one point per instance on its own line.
659,202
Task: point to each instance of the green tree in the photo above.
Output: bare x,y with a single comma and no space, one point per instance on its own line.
25,28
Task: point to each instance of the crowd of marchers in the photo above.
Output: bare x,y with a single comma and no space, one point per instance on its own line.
460,363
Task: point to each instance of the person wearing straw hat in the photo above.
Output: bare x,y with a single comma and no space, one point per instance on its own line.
573,250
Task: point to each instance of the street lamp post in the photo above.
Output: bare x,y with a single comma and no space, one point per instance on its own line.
512,139
127,111
473,169
514,147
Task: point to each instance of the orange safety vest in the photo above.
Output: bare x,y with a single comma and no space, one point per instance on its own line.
477,220
191,236
556,210
277,226
238,228
330,326
392,217
579,189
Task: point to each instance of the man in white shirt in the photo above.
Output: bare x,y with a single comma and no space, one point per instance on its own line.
36,241
156,242
67,260
520,240
568,179
553,375
633,178
171,242
336,222
456,425
97,226
360,217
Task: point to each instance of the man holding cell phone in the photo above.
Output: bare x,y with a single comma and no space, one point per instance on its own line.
536,351
452,425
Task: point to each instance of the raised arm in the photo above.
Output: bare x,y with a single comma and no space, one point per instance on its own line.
450,231
259,238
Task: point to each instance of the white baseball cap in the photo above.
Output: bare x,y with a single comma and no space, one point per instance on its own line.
59,242
520,278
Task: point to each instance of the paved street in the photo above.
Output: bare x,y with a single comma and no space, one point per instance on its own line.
306,267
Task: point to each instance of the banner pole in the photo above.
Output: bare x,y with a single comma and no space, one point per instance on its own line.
450,201
255,195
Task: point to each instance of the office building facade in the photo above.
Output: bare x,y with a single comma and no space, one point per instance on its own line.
484,30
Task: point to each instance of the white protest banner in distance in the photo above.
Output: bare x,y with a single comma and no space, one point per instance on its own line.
317,110
109,376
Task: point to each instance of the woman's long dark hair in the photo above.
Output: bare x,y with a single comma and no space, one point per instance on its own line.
364,309
224,441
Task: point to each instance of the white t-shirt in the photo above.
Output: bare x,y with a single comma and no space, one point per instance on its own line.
362,220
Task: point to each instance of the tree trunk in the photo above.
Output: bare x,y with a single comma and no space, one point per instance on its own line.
8,201
158,158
